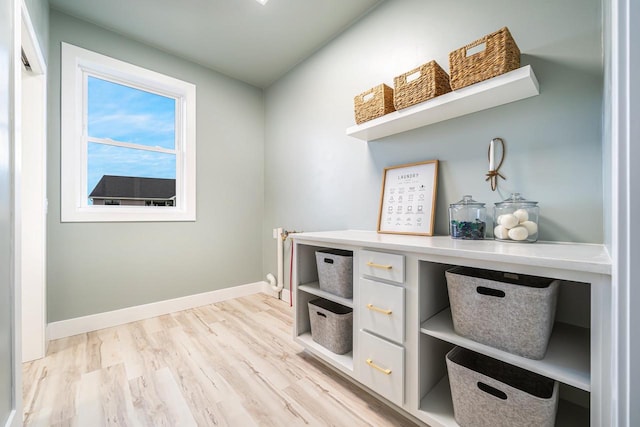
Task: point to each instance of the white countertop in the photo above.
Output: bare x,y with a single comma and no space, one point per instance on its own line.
586,257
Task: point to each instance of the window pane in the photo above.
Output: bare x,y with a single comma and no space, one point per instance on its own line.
126,114
118,173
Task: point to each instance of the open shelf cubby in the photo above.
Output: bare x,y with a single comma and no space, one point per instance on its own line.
566,360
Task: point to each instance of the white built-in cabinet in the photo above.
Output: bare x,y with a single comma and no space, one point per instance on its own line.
402,326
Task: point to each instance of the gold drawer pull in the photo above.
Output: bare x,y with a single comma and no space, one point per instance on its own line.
380,266
374,366
379,310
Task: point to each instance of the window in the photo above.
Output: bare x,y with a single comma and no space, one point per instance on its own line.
128,141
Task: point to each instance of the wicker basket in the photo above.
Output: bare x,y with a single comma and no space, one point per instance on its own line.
420,84
500,55
374,103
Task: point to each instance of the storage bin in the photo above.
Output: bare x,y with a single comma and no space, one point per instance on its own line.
420,84
511,312
335,271
373,103
331,325
490,393
500,55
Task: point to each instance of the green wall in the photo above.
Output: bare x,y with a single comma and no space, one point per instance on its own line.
98,267
302,172
317,178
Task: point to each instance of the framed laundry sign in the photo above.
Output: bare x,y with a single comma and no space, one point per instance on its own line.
408,199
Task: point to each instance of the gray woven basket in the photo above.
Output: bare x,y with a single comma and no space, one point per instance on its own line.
335,271
511,312
331,325
490,393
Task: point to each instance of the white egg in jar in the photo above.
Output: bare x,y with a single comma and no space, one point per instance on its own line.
532,227
499,232
522,215
509,221
518,233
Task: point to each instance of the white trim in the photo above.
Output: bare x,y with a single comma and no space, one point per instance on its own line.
285,295
15,138
13,420
625,133
75,64
84,324
282,295
107,141
30,43
33,218
34,194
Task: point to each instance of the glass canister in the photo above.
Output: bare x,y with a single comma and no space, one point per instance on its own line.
516,219
467,219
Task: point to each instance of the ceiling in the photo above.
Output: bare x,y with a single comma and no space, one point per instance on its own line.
240,38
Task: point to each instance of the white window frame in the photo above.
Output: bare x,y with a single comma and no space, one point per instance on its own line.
76,65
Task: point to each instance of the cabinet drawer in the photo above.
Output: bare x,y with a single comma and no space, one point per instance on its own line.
382,265
382,367
381,309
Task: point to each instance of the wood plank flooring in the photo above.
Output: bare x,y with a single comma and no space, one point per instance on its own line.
233,363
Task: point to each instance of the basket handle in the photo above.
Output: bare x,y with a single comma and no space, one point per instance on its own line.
492,390
482,290
476,47
328,261
411,76
321,314
368,95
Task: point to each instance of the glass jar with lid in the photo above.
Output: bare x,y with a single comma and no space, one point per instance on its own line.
467,219
516,219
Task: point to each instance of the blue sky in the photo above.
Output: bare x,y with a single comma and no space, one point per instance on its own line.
127,114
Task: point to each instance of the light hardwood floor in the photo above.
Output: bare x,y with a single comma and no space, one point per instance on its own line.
232,363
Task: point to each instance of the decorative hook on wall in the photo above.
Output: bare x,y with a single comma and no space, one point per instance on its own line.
494,172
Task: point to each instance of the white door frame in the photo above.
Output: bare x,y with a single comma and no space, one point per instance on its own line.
33,193
625,187
15,418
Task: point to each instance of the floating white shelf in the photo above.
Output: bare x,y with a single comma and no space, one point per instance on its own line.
509,87
567,358
314,288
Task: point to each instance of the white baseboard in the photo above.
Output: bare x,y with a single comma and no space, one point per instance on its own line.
84,324
285,295
12,421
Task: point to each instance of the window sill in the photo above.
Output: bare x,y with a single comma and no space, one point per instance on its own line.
127,214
